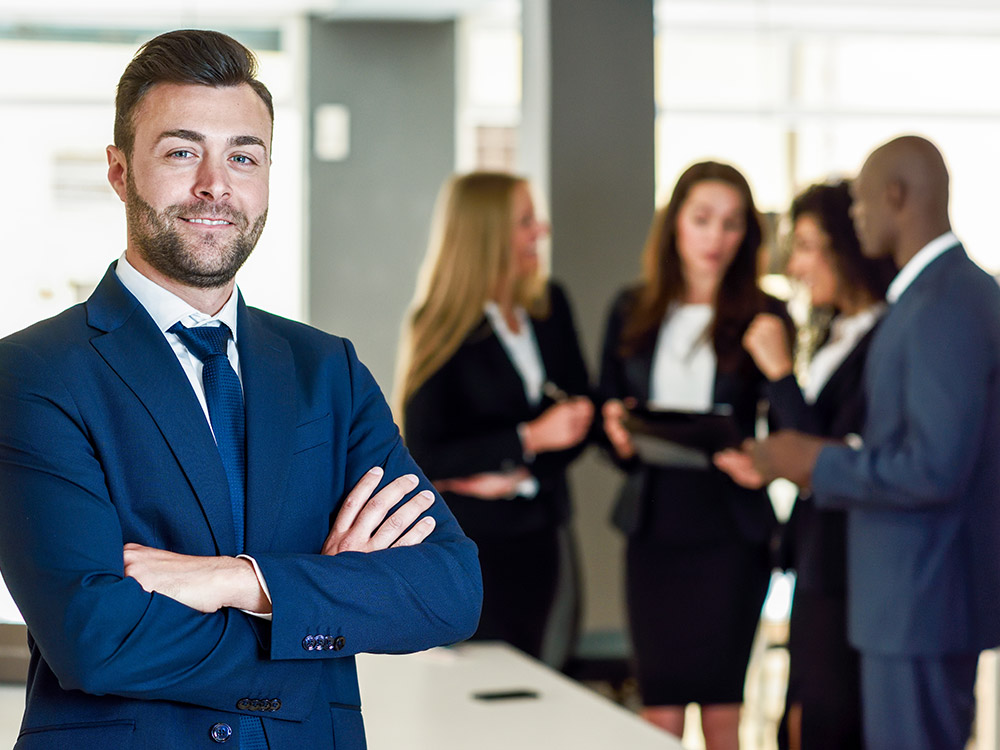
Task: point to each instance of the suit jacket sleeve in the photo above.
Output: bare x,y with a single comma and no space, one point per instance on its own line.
396,600
448,433
790,408
944,373
436,434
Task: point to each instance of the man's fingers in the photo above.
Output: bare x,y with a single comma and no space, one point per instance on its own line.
421,530
393,528
356,500
378,507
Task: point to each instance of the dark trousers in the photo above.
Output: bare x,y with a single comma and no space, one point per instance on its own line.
918,703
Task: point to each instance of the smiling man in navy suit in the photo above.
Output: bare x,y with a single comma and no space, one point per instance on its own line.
195,514
923,491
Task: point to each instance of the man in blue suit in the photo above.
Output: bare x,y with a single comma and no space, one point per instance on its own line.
923,491
200,536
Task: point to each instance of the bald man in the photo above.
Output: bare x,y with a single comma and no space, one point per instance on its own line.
923,492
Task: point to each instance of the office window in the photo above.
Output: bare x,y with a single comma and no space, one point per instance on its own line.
795,92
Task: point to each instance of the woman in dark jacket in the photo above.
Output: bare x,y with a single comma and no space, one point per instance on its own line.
698,562
494,405
823,708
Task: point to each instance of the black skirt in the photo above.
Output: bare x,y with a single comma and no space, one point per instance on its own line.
693,611
520,578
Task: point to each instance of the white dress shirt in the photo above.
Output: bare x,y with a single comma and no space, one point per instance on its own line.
522,349
524,354
684,362
908,273
166,308
845,333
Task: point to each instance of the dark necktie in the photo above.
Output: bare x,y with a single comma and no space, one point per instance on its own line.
224,396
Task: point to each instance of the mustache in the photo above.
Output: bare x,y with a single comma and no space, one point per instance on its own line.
203,210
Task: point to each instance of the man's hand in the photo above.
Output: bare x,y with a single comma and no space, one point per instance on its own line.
354,529
490,485
203,583
788,454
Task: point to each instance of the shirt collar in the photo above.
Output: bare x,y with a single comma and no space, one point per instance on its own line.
908,273
166,308
497,320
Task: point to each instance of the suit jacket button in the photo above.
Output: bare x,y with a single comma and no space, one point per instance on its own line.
221,732
243,704
339,642
309,643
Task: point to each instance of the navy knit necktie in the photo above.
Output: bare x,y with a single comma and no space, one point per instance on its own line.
224,396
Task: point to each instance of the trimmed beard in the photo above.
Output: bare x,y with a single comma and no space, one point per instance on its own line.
162,247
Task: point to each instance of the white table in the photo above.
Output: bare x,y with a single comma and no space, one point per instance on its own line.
426,701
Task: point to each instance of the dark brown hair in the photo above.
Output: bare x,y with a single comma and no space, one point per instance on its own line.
830,205
739,298
191,56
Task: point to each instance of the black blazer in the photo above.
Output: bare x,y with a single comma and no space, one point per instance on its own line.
814,541
686,505
464,419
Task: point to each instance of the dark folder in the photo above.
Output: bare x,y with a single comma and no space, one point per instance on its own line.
681,439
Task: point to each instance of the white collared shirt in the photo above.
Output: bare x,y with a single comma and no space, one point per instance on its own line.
908,273
524,354
166,308
684,362
845,333
522,349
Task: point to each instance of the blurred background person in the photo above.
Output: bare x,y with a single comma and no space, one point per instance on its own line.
698,562
823,707
493,397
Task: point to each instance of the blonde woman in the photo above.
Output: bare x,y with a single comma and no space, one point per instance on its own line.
491,394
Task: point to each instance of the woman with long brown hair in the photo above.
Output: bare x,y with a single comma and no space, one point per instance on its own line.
492,394
697,561
823,706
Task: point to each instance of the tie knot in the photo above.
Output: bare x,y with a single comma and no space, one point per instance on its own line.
204,341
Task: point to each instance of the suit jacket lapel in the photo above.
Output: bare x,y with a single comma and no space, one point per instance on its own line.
138,352
268,373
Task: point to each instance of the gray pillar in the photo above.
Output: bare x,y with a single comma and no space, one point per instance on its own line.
369,213
587,140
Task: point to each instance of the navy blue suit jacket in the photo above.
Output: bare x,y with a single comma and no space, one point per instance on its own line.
103,442
923,494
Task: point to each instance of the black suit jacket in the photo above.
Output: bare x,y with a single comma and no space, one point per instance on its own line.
685,505
464,419
816,540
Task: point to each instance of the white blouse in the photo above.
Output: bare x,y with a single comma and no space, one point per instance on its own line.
684,362
845,333
522,349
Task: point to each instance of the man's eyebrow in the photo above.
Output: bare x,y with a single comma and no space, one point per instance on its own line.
196,137
186,135
247,140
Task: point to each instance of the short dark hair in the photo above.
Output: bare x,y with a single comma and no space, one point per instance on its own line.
830,205
192,56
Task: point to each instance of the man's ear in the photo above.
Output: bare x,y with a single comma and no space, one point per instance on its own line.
895,194
117,170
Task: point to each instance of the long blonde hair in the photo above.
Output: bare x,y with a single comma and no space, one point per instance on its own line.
468,261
